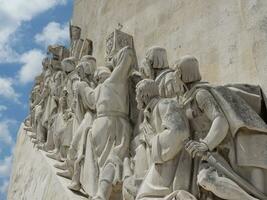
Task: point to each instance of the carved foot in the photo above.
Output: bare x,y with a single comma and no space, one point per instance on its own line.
62,166
75,186
55,156
35,141
65,174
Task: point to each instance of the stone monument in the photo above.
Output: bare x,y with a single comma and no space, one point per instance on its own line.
128,124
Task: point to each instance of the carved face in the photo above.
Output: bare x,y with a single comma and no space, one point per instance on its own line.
146,90
68,64
75,32
102,77
80,71
140,99
146,70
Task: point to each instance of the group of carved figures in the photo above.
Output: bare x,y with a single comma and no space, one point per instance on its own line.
147,131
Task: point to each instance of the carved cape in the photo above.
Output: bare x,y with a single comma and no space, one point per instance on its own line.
248,130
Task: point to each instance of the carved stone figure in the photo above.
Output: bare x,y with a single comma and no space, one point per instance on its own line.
159,133
90,166
155,66
75,34
164,129
111,130
64,136
228,137
85,113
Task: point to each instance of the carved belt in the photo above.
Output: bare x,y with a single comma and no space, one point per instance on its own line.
113,114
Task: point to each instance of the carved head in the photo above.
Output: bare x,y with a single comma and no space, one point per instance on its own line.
101,74
146,90
187,69
86,66
69,64
75,32
57,52
45,63
155,59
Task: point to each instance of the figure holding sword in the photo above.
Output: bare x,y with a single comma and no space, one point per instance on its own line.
228,138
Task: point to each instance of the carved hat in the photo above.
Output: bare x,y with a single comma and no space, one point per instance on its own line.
58,52
187,68
147,87
69,64
157,56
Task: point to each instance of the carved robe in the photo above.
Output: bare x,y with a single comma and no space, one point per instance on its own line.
169,128
111,129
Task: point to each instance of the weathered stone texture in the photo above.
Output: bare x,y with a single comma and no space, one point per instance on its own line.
228,37
33,175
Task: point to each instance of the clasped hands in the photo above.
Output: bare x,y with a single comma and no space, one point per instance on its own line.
195,148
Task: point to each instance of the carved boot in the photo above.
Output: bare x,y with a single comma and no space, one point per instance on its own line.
55,156
62,166
35,141
75,183
65,174
74,186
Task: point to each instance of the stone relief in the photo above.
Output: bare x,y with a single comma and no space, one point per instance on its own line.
188,139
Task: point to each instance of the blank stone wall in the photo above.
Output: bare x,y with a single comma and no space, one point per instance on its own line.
229,37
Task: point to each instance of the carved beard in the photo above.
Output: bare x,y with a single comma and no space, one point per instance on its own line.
141,105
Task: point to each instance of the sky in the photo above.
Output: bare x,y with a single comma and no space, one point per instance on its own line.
26,29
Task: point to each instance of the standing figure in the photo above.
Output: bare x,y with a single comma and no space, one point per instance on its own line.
111,129
85,113
66,134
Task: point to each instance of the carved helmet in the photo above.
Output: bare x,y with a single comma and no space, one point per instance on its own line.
88,63
187,69
69,64
157,56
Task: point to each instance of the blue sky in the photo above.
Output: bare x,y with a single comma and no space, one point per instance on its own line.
26,28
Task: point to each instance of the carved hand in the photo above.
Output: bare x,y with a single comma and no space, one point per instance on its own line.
195,148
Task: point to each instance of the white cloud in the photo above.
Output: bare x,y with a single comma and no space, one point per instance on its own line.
12,14
53,33
32,65
5,167
4,187
7,90
5,135
2,108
